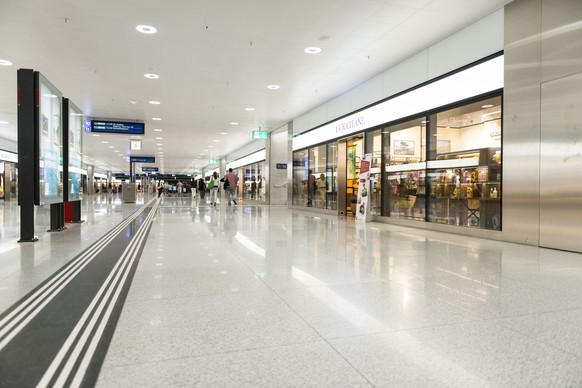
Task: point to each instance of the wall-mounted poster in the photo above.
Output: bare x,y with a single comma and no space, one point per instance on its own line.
50,153
443,146
404,147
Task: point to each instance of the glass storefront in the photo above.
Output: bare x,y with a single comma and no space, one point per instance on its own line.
321,163
464,175
404,169
442,167
251,182
8,181
374,147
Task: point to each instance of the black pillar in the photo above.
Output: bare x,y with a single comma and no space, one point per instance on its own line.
26,154
76,208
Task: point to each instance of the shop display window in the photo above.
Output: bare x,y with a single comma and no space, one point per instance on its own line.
318,165
374,148
331,176
404,166
253,183
464,171
300,163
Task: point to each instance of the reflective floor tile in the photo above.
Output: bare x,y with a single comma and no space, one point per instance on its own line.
313,364
185,327
365,308
476,354
187,282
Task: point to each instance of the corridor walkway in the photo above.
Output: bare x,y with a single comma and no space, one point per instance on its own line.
253,295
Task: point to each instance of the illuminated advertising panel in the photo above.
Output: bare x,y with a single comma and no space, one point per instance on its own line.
50,152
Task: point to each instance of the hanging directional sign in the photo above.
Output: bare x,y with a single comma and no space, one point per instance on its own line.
260,134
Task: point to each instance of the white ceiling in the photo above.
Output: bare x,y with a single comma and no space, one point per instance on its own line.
214,58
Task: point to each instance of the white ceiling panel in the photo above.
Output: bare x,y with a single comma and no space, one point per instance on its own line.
214,59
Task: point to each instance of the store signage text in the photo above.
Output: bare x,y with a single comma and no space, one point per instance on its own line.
348,125
8,156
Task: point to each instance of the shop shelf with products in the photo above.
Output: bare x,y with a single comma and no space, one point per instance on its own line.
465,188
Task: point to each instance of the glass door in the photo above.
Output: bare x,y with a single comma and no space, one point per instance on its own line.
354,154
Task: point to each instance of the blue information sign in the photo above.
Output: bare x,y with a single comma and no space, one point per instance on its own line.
149,169
117,127
142,159
281,166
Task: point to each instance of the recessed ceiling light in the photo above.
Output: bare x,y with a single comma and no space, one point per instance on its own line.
486,106
151,76
3,122
133,102
154,102
96,135
273,87
156,119
111,147
159,138
224,133
216,141
105,142
157,130
4,62
234,123
160,144
312,50
146,29
250,109
209,146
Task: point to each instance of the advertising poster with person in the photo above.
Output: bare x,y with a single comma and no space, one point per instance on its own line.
363,203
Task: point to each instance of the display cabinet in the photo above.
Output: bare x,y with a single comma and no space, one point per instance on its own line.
465,189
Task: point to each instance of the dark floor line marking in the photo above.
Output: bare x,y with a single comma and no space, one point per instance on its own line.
78,351
22,312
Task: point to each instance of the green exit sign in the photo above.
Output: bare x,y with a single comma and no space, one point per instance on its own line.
260,134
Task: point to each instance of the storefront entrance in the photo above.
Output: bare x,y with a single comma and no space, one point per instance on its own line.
350,153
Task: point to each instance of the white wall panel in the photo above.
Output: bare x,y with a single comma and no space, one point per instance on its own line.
8,145
317,116
278,153
248,149
366,93
300,124
480,39
411,72
339,106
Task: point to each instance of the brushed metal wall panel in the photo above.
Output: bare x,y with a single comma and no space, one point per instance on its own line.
521,122
561,38
561,164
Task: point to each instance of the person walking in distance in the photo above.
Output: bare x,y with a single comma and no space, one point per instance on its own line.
213,187
201,189
160,188
311,187
232,185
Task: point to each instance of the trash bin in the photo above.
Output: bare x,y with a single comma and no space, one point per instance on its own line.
129,192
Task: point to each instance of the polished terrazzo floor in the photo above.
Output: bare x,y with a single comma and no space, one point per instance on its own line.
266,296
